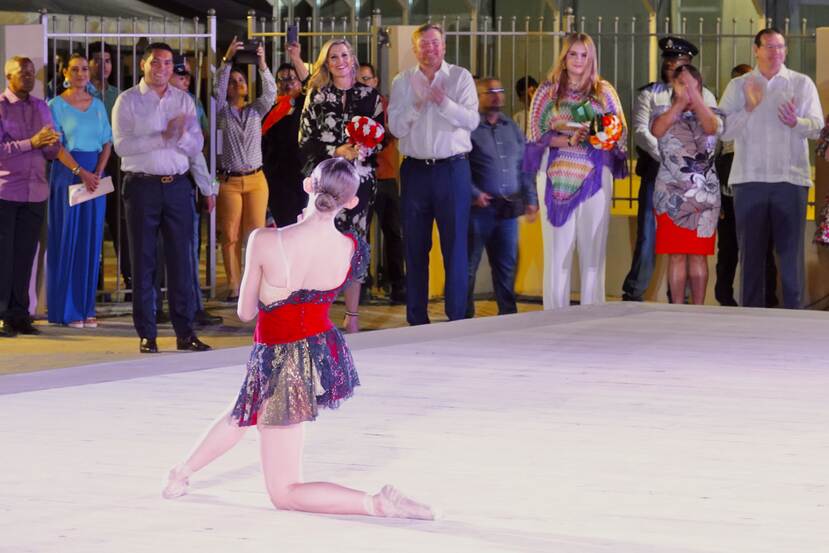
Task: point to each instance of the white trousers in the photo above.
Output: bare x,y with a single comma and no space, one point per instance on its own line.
586,229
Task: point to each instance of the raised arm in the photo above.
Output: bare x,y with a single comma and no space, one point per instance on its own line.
264,103
295,54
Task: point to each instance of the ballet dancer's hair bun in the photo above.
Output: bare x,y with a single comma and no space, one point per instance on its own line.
335,181
326,202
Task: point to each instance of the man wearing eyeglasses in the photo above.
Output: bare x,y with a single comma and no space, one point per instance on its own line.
771,113
501,192
280,150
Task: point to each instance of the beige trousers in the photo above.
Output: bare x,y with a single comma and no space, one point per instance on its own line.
240,208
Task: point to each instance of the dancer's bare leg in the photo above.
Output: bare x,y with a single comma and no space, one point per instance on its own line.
281,451
220,437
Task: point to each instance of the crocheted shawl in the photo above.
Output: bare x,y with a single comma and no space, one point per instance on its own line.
574,174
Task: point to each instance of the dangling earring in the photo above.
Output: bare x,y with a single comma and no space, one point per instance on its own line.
66,83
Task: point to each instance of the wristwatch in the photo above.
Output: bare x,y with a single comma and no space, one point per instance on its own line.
77,170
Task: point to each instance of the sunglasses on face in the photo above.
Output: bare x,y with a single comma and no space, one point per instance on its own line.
366,79
495,91
287,80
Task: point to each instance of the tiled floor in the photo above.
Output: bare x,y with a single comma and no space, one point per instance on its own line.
625,428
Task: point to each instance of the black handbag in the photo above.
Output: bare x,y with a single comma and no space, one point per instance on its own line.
509,207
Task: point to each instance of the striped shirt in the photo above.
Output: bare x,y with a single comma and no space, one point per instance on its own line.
240,141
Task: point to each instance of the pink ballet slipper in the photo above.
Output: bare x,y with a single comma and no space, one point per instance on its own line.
178,480
393,503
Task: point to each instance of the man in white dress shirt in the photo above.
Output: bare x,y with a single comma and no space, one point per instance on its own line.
771,113
432,111
156,132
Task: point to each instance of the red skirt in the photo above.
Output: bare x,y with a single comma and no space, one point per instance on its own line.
671,238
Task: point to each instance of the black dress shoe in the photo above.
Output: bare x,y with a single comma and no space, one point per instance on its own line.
148,345
204,318
397,297
26,327
6,330
191,344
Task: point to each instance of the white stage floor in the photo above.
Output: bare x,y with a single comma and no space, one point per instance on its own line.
624,428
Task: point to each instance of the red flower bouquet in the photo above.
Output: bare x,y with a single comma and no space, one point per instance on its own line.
365,132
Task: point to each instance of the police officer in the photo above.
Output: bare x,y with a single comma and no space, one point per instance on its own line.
675,52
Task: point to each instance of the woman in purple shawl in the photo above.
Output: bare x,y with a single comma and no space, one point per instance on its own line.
574,178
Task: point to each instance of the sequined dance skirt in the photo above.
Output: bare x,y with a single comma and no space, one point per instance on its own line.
287,383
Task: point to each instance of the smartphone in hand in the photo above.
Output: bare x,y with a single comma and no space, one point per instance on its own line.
292,34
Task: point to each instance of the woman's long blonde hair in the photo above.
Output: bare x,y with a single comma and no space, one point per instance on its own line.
558,74
321,76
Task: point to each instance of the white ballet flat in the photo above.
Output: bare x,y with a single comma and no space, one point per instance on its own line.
177,483
393,503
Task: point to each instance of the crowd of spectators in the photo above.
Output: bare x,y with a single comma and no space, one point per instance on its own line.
738,170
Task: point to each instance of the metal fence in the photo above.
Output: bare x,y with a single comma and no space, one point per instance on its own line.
513,47
626,49
364,34
64,35
508,48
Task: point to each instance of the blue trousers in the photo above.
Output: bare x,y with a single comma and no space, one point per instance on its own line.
776,210
153,207
500,238
435,192
644,257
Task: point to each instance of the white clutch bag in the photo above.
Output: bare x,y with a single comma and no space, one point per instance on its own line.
79,194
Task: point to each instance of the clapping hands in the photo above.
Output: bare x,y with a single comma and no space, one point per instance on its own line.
787,113
45,137
175,128
425,92
753,90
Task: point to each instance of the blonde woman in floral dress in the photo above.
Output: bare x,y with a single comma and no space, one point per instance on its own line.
335,97
687,192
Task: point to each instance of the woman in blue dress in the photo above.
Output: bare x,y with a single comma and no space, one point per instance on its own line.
76,232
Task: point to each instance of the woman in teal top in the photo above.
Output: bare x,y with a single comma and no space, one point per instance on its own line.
76,233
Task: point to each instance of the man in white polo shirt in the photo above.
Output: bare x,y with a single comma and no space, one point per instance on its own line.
771,113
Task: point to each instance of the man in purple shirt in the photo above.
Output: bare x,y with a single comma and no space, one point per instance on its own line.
27,140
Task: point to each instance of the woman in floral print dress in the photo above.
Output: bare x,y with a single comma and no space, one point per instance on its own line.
335,97
687,192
